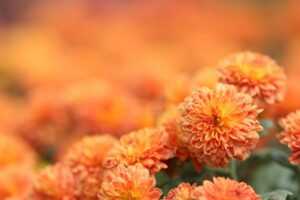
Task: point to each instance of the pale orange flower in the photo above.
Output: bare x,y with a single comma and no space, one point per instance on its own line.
184,191
149,147
219,124
129,182
54,183
291,135
85,159
255,74
225,189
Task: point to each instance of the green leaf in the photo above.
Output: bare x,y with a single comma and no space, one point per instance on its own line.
277,195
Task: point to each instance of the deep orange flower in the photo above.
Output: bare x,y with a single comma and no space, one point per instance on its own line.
149,147
255,74
184,191
85,159
218,125
129,182
54,183
225,189
291,135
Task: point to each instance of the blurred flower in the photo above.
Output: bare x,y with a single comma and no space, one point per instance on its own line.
150,147
255,74
97,108
219,124
54,117
129,182
184,191
291,101
177,90
17,161
15,182
85,159
290,135
15,152
45,122
222,188
205,77
54,183
168,121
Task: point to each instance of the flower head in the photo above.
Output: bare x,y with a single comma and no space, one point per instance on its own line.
54,183
149,147
85,159
184,191
218,125
255,74
224,189
129,182
291,135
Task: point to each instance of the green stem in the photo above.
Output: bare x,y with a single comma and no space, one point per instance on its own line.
233,170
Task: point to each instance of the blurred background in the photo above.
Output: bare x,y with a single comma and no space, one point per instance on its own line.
70,68
113,66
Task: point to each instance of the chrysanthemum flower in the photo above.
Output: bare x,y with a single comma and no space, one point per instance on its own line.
219,124
129,182
85,159
255,74
184,191
149,147
54,183
222,188
291,135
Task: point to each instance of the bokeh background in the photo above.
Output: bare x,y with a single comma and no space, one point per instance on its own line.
70,68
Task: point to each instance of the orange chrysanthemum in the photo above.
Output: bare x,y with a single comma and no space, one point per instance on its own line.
291,135
255,74
54,183
224,189
218,125
149,147
129,182
184,191
85,159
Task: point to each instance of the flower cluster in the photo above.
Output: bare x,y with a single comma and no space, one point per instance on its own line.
115,144
218,189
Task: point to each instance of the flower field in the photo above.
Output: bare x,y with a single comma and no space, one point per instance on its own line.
149,100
